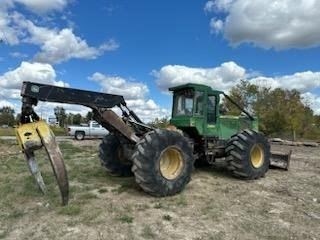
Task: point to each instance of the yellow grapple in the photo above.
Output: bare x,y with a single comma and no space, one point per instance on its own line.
33,136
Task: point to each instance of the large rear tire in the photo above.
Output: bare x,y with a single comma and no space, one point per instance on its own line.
162,162
248,155
112,157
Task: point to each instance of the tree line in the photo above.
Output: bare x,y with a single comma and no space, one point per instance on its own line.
280,112
65,119
8,118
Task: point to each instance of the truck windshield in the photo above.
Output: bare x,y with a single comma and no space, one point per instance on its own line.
183,103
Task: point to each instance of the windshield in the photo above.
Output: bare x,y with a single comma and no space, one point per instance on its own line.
183,103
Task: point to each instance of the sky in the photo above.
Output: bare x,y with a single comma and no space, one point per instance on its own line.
139,49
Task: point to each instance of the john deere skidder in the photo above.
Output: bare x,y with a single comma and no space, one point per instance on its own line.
161,160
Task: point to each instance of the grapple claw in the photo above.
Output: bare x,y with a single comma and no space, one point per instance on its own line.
35,171
32,136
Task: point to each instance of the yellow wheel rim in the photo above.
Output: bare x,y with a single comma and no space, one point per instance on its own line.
171,163
257,156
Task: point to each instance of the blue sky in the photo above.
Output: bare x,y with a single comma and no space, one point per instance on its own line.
139,48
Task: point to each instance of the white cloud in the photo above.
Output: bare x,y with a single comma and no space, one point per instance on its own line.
218,5
222,77
120,86
56,45
11,81
18,55
269,24
135,94
5,103
8,33
209,6
228,74
302,81
216,26
64,45
313,101
43,6
46,109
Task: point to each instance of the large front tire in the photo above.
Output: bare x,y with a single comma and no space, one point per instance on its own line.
248,155
162,162
112,157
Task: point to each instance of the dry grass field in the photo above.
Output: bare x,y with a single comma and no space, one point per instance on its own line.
283,205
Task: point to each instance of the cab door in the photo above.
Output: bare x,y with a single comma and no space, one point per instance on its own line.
212,115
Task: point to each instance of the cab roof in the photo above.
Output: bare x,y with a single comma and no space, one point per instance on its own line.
195,86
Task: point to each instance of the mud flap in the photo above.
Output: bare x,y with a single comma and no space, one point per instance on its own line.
33,136
280,160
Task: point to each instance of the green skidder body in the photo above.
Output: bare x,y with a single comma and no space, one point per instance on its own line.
198,112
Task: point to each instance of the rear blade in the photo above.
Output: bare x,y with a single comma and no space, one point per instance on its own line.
280,160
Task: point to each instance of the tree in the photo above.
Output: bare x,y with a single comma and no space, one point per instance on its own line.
245,94
280,112
317,120
17,118
77,119
60,115
160,123
89,116
70,119
7,116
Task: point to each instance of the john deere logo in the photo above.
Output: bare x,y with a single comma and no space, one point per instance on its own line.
35,88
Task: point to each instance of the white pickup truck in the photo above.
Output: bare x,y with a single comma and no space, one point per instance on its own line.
93,129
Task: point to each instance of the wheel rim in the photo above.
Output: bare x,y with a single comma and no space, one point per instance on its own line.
171,163
257,156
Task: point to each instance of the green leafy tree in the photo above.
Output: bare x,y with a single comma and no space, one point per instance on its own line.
244,94
317,121
160,122
70,118
60,115
17,118
7,116
89,116
77,119
281,112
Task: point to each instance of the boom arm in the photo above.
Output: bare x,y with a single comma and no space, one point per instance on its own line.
90,99
100,103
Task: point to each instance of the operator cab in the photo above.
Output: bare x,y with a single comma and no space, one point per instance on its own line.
194,105
197,111
190,102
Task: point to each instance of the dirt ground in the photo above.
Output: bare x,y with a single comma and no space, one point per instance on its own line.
214,205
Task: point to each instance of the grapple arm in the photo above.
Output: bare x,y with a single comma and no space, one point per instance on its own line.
33,133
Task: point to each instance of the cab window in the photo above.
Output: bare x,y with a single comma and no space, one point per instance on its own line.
211,117
95,125
198,99
183,103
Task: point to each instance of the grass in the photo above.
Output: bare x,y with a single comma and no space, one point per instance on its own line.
7,132
112,206
58,131
148,233
70,210
167,217
125,218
